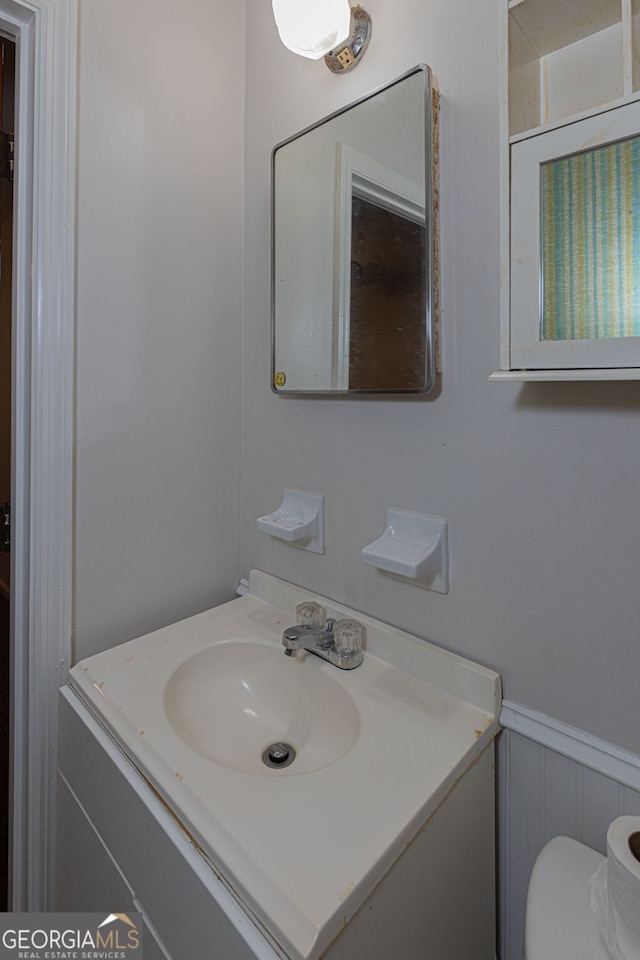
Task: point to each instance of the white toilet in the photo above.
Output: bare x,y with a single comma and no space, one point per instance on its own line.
560,924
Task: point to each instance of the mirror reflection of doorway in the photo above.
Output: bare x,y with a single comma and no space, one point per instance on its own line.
387,328
7,101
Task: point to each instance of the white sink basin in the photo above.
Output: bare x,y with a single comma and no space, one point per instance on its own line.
232,700
378,749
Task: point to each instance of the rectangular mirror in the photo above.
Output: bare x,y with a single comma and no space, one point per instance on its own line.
353,248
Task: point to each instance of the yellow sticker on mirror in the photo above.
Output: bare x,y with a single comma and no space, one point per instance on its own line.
279,379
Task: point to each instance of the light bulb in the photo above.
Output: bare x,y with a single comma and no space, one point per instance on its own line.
312,28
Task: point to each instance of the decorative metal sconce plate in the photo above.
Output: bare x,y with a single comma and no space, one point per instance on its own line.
340,61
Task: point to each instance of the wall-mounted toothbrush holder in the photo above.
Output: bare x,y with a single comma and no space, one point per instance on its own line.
413,546
298,520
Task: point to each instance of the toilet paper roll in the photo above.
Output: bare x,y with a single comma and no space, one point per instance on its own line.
623,883
599,898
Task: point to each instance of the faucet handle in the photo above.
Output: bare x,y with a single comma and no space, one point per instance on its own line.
347,637
310,614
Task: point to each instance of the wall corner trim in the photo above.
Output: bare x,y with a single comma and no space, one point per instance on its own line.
44,324
590,751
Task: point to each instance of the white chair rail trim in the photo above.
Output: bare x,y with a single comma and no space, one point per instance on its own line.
571,742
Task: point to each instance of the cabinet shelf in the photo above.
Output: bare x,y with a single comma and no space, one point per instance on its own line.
552,51
605,373
574,118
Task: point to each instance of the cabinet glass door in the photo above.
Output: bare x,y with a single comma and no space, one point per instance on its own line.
590,208
575,233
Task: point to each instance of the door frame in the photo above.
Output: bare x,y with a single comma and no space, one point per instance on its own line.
43,309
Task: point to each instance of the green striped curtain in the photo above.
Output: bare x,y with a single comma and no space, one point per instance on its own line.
591,244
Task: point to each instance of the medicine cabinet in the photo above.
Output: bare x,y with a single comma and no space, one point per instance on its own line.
570,190
353,247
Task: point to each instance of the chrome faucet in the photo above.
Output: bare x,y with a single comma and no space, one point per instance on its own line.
339,642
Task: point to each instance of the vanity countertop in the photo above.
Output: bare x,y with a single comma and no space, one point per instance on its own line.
300,847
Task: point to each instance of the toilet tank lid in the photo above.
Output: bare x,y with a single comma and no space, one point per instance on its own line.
560,924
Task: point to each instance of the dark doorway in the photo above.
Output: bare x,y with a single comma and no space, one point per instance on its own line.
387,327
7,113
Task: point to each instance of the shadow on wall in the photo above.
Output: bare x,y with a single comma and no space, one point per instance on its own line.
592,395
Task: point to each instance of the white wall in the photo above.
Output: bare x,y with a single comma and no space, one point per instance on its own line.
539,483
159,308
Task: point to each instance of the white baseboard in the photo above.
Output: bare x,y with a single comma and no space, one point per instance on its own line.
585,749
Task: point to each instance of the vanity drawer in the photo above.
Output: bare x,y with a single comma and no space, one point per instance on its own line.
81,854
185,901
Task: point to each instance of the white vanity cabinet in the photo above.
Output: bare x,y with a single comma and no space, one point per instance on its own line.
570,190
376,841
121,849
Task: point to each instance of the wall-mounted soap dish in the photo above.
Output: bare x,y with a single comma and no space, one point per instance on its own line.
298,520
413,546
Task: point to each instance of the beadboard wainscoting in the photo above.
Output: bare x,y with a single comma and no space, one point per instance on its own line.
553,780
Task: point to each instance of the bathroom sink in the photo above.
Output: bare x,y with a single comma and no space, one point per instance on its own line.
378,749
233,700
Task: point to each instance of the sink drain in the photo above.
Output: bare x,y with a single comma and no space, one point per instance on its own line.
278,755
